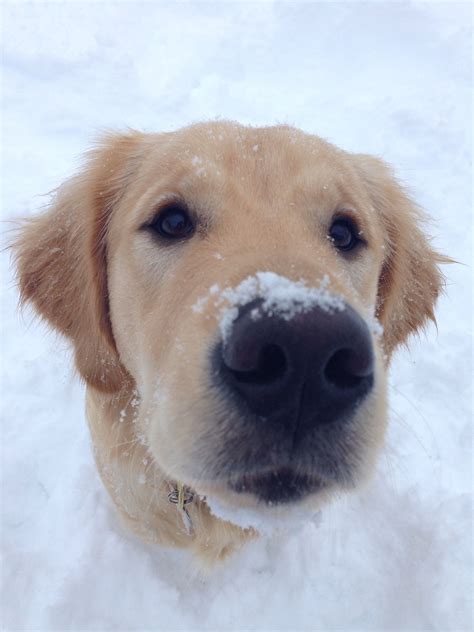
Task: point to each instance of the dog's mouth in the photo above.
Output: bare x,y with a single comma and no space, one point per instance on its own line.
270,501
278,486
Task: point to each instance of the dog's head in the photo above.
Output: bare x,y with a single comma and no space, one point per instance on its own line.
237,276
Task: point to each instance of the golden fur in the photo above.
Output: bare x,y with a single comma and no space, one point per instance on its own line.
266,196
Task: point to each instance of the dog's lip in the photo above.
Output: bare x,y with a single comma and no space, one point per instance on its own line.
278,485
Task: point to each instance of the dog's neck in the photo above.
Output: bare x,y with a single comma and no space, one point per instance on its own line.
157,509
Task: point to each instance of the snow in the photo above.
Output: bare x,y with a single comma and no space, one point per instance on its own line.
280,296
270,521
392,79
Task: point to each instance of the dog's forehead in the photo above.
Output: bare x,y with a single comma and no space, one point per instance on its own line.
233,146
273,163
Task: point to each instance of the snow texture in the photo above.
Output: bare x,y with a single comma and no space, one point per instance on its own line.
280,297
392,79
269,521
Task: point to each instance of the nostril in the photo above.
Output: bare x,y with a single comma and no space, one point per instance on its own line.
346,369
271,366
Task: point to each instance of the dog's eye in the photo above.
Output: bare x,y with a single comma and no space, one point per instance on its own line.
173,222
344,234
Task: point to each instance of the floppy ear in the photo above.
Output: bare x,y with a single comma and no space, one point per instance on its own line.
61,258
410,281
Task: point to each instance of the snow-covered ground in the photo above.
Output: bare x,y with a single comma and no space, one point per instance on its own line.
392,79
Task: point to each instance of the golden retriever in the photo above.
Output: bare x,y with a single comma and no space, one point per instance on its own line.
233,296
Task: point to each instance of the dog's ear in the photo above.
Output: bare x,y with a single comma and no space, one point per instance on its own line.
61,258
410,281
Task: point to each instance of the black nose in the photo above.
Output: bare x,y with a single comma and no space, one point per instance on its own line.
316,366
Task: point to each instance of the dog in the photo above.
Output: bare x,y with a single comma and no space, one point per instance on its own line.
233,296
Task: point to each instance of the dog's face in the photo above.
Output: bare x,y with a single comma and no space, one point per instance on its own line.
282,408
236,274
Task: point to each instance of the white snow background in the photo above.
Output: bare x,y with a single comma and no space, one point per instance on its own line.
393,79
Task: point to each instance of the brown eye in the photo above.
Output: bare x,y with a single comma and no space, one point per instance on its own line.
344,234
173,222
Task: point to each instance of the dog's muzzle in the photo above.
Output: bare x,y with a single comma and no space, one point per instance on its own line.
292,380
